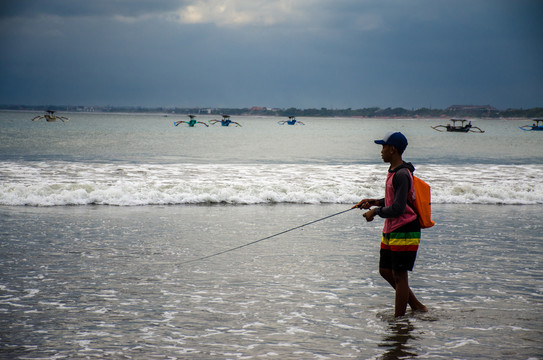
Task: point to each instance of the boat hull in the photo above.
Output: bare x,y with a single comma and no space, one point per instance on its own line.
464,129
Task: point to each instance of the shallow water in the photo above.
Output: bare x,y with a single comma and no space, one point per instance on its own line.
108,282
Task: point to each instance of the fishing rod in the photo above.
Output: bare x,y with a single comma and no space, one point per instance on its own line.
265,238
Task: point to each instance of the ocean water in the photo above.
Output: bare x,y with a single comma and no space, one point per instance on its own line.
101,217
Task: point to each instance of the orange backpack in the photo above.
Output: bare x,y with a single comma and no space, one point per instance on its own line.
423,202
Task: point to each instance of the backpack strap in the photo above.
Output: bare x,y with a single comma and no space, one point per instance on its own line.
410,199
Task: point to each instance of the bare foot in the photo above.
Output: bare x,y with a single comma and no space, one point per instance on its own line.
420,308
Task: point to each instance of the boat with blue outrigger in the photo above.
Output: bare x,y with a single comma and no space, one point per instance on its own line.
458,125
291,121
225,121
536,126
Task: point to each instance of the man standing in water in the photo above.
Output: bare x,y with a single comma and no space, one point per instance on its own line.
401,231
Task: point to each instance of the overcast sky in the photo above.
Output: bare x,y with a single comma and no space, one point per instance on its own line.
276,53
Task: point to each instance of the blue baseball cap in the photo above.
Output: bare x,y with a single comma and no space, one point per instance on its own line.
396,139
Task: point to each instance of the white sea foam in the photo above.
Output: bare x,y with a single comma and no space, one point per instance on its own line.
71,183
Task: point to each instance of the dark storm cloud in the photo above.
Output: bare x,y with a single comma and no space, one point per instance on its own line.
304,53
69,8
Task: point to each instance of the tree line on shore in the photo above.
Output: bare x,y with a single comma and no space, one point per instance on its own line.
372,112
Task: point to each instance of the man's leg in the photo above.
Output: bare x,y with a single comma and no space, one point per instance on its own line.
414,303
402,292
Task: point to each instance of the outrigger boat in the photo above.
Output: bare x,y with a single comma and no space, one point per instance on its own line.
458,125
50,117
291,121
225,121
537,126
191,122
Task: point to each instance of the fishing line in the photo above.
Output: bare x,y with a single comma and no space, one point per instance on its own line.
266,238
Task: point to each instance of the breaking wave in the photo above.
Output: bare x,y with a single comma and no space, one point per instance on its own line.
73,183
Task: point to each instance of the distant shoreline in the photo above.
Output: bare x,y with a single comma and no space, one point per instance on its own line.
467,112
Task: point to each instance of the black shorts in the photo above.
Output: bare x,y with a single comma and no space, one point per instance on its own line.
397,260
399,248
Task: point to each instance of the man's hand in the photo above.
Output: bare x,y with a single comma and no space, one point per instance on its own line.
369,215
365,204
